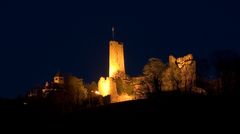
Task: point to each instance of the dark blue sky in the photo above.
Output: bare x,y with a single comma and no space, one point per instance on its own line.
39,38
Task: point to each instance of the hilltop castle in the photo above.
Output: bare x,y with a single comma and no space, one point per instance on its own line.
178,75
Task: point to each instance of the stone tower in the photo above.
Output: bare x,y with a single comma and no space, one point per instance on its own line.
108,86
116,59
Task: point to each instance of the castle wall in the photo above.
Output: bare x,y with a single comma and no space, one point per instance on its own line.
116,69
116,59
181,74
104,86
58,80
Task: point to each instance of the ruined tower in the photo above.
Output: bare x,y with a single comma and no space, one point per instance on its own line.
116,68
108,86
116,59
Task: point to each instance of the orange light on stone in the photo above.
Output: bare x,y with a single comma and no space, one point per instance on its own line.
97,92
116,58
104,86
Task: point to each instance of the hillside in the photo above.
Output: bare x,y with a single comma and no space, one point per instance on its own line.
162,107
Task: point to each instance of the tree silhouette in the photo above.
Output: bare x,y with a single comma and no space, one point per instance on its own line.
75,90
153,71
227,64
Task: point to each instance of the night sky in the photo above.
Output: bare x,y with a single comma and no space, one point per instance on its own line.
37,39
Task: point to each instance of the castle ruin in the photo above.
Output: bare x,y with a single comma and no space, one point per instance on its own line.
107,86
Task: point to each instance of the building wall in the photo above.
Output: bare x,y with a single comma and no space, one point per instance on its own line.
181,74
107,86
116,59
58,80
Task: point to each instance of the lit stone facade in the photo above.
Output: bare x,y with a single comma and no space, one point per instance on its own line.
107,86
116,59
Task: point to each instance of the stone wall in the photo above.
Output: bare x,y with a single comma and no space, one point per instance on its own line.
104,86
116,59
180,74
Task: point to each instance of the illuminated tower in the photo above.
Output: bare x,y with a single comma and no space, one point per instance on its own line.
107,86
116,59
